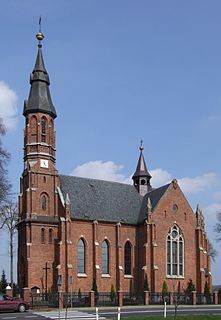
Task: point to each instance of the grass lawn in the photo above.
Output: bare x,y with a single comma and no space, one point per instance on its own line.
183,317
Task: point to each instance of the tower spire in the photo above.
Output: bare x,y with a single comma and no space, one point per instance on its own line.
39,99
141,176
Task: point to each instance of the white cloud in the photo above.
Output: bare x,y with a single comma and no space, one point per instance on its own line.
212,210
101,170
217,195
8,106
112,172
210,214
160,177
198,184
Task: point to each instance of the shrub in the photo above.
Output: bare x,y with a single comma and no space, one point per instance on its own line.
164,288
146,285
190,287
112,294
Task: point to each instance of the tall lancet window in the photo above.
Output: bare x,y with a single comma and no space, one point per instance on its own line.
81,256
105,257
44,202
175,252
127,258
43,129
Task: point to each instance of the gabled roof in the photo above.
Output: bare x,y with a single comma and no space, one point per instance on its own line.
155,195
93,199
108,201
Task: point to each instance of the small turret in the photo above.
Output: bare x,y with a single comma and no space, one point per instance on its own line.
141,176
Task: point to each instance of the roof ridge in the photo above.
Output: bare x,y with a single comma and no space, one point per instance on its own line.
94,179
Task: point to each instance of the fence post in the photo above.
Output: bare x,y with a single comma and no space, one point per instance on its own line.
61,299
118,313
120,298
26,294
8,291
193,297
171,298
146,298
165,310
215,297
92,300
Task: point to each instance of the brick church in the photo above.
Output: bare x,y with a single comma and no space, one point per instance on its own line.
78,229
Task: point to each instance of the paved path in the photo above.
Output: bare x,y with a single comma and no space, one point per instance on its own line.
71,314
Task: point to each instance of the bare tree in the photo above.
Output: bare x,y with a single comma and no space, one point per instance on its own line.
8,221
212,251
217,227
4,157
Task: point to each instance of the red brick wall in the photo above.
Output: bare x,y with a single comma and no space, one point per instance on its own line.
148,241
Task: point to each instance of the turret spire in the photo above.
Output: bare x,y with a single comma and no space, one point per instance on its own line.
39,99
141,176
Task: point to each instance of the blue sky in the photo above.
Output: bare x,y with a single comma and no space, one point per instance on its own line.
121,71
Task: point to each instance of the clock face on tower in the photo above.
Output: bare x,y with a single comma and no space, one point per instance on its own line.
44,163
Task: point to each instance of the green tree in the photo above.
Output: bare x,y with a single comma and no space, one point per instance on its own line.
207,292
164,288
94,285
79,294
146,284
190,287
3,282
112,294
206,288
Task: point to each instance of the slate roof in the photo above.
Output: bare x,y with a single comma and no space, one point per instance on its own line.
141,170
39,99
108,201
155,195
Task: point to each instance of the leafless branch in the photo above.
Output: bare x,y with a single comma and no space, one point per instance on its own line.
212,251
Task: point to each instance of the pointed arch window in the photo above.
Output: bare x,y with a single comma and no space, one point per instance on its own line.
50,236
42,235
105,257
127,258
43,129
44,202
175,252
81,256
51,133
33,122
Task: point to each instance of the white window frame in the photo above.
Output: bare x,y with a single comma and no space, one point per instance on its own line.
175,235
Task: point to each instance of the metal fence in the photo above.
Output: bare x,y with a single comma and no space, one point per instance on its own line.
103,299
46,300
133,299
202,298
158,298
182,298
77,299
219,297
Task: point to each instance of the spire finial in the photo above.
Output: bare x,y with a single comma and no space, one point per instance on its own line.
141,145
39,35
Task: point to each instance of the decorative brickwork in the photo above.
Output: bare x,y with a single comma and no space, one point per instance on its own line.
49,228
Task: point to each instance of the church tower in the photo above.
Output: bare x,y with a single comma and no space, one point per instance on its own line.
38,212
141,176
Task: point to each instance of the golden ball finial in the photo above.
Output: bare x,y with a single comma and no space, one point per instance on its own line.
40,36
141,145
